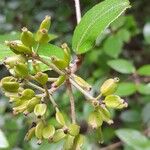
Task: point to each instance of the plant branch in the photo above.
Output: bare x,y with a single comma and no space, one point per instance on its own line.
112,146
85,93
72,101
34,86
48,64
52,79
49,96
78,10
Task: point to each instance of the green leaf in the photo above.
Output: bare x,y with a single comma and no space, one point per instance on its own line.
48,50
5,52
146,114
144,88
42,66
9,37
134,139
52,37
122,66
124,35
3,140
146,32
130,116
95,21
118,23
113,46
144,70
126,89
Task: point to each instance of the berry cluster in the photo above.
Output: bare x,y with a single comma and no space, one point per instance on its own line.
19,89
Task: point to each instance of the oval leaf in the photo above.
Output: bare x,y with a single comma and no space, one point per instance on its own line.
113,46
143,88
122,66
48,50
95,21
144,70
134,139
125,89
5,52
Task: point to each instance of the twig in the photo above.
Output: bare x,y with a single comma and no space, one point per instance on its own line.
48,64
72,101
49,96
99,96
52,79
34,86
78,10
53,101
112,146
76,64
81,90
78,60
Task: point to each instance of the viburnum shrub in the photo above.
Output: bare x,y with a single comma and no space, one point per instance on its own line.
32,51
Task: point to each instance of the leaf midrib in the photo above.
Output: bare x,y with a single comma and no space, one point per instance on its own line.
98,16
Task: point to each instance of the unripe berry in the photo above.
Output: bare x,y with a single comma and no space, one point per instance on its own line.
27,94
78,142
11,61
105,114
82,83
114,101
74,129
30,134
59,117
40,110
9,84
95,119
45,24
21,70
48,132
31,105
59,135
109,86
60,63
41,78
18,47
59,81
21,108
67,54
27,37
42,36
39,129
68,145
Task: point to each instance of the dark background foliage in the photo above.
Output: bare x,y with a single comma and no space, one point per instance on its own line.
97,66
